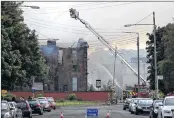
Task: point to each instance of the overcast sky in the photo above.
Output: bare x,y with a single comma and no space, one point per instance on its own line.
52,20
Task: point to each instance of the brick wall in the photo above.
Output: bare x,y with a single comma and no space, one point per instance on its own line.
86,96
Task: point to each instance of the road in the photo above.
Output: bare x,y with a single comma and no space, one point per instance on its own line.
79,112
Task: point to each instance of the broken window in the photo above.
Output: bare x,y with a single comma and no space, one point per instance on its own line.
74,67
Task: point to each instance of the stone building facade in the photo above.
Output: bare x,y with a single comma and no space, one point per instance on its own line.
72,68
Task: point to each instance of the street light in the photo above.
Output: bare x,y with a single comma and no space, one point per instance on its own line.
33,7
155,57
138,57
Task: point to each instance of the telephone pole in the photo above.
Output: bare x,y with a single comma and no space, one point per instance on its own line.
115,56
155,56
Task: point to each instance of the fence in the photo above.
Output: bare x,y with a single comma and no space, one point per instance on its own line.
85,96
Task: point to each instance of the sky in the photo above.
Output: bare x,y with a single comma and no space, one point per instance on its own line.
53,21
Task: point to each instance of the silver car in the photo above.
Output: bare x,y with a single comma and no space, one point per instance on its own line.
16,113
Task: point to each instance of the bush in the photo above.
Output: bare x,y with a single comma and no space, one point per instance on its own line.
72,97
40,95
10,95
7,98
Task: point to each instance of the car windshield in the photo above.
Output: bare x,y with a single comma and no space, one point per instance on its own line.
32,102
43,101
21,104
50,99
169,102
128,100
145,102
11,105
4,106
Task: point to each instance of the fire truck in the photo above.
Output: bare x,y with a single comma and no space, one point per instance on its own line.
143,91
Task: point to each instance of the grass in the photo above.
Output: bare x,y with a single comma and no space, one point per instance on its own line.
74,103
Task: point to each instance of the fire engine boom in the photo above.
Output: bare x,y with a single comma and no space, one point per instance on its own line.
103,41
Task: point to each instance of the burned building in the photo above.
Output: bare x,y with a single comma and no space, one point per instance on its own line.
72,67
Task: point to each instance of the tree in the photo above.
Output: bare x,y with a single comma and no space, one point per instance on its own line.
21,58
150,55
166,65
91,88
108,86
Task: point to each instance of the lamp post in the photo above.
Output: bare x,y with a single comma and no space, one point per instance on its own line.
138,58
155,56
33,7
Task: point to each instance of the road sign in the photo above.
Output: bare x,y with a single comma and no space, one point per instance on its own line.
92,113
98,83
160,77
38,86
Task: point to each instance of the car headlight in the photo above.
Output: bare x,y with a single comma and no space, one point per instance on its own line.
167,111
7,115
139,107
155,110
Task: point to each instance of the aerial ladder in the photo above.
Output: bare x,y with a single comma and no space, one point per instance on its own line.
75,14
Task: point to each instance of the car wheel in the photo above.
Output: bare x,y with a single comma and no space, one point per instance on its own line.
132,112
136,112
30,116
41,113
124,108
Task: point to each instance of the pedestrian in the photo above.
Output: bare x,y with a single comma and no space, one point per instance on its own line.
22,98
29,98
13,99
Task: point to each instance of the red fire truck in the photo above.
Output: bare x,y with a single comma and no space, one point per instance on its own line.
143,91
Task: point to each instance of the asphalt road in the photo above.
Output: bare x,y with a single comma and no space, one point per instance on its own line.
79,112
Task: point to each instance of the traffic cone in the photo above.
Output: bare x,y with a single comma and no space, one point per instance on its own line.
108,115
61,115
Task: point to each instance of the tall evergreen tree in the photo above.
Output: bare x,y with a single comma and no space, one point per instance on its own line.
166,65
150,55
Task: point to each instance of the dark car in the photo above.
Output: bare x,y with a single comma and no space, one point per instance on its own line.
6,111
126,103
52,103
45,104
36,107
25,107
154,108
143,106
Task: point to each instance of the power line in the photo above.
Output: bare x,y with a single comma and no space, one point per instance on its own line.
106,6
79,31
144,18
64,25
93,8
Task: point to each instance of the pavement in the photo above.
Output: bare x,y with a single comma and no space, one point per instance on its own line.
115,111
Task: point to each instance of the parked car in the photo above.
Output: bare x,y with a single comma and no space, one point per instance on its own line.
143,106
168,106
154,108
126,103
46,105
17,113
42,98
36,107
6,111
132,105
25,107
52,102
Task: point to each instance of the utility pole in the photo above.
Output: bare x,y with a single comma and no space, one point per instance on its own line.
155,57
138,57
114,91
115,56
33,78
